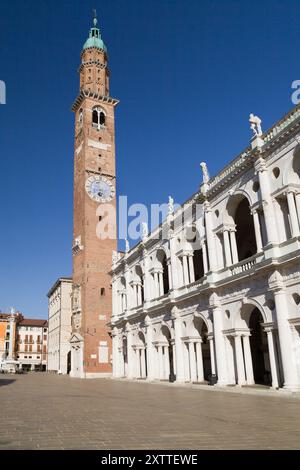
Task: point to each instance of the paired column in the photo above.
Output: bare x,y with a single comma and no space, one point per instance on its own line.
160,362
185,270
161,284
150,352
257,230
297,199
239,360
266,201
228,260
210,238
234,251
204,256
166,362
130,356
191,268
273,358
212,354
291,380
192,361
248,360
179,350
220,346
200,371
293,214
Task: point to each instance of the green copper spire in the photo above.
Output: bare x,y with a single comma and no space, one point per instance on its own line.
94,39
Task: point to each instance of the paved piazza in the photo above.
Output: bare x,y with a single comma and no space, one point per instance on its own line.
43,411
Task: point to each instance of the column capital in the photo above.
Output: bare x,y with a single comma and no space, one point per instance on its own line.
260,164
214,301
276,283
175,313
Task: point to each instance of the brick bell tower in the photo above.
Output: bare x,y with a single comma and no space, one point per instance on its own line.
94,189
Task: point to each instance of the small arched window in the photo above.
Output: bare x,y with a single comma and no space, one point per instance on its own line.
98,118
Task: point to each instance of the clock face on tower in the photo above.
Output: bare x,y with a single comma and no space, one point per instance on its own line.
99,189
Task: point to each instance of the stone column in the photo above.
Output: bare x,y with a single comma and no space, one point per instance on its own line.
210,238
239,360
293,214
268,208
212,354
128,291
291,380
248,360
297,199
147,278
130,356
174,358
150,351
179,348
272,356
228,260
170,274
174,263
235,256
220,346
161,284
191,268
156,285
204,256
192,359
185,270
257,231
139,294
200,372
161,363
143,363
166,362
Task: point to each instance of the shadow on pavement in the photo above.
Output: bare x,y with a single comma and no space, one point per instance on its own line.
6,381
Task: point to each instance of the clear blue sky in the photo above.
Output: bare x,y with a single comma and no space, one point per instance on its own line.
187,73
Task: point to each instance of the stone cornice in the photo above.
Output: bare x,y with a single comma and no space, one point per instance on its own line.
96,96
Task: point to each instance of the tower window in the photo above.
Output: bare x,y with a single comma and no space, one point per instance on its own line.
102,292
98,118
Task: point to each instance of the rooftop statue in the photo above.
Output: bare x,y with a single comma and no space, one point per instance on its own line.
255,125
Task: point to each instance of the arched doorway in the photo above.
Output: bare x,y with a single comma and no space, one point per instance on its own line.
259,350
168,357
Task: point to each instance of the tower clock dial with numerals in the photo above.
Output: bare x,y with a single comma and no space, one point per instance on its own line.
100,189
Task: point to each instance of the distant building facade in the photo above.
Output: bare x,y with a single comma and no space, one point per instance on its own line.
59,326
217,297
32,338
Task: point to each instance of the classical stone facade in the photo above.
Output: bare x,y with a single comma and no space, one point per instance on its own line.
59,326
217,297
94,187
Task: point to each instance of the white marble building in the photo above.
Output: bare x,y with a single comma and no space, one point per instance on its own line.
220,293
59,326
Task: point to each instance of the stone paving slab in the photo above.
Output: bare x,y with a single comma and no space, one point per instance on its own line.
46,411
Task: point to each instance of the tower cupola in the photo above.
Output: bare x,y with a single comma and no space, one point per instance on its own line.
94,39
